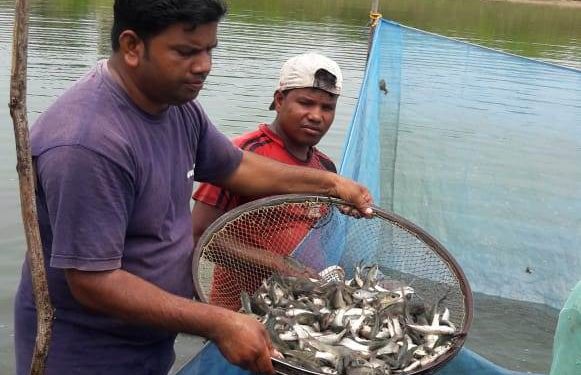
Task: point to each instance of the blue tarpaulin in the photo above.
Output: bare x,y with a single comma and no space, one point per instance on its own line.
210,361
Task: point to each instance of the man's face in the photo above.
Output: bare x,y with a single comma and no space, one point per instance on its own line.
176,62
305,115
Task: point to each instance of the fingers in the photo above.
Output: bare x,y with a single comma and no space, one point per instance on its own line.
276,354
363,202
245,342
351,211
356,194
264,363
356,213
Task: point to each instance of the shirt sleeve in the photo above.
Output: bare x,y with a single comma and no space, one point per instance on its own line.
216,196
216,157
88,199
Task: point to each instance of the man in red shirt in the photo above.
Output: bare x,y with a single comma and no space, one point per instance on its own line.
305,102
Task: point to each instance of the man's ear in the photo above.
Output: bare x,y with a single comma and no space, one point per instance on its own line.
278,99
131,48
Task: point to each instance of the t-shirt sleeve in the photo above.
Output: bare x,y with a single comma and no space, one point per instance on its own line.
216,196
88,199
216,158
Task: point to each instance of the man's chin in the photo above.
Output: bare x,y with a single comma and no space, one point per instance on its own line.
183,99
311,141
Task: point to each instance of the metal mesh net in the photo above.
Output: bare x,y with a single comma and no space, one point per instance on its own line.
298,234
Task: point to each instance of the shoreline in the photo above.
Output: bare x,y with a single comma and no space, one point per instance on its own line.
558,3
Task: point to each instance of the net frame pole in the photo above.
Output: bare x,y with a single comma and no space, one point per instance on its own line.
26,178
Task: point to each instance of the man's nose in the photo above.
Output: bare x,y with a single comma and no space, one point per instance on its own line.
203,64
316,114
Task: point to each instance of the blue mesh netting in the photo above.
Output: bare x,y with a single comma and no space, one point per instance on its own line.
481,149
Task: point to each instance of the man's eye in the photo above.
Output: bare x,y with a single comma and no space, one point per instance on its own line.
186,52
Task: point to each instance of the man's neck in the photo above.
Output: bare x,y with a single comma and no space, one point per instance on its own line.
127,80
300,152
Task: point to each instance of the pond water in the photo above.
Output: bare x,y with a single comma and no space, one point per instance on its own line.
67,37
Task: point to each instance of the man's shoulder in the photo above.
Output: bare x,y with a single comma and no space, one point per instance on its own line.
65,121
253,140
90,115
324,160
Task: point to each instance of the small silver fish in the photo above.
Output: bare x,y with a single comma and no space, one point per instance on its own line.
332,338
353,345
431,330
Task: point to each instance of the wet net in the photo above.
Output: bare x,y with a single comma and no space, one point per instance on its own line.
481,149
304,235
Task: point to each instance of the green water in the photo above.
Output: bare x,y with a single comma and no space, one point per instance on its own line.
67,37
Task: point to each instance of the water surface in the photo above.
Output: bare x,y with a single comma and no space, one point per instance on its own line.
67,37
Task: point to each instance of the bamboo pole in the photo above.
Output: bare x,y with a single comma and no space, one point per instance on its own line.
373,15
26,178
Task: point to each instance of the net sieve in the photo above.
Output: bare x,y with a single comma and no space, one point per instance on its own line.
306,235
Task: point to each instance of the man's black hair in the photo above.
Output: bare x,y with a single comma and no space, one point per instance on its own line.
149,18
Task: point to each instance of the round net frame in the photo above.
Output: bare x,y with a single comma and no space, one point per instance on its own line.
304,235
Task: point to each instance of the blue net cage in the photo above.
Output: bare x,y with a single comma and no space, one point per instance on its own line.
481,149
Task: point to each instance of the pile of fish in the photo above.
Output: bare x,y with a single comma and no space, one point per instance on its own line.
361,326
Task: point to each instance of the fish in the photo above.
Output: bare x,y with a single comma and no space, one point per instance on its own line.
366,325
328,358
390,348
433,330
355,346
332,338
365,276
304,359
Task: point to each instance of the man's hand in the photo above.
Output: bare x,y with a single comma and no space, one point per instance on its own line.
245,343
241,339
352,192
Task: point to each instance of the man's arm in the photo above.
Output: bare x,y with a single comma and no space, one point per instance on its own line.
72,176
259,176
128,297
202,216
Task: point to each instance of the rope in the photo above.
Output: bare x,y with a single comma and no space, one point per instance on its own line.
374,16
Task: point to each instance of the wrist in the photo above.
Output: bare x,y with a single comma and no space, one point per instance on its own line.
218,320
334,185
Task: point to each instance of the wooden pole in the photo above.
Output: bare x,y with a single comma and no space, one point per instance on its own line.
26,178
374,16
375,6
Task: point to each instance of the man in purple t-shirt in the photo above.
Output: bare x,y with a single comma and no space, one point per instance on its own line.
116,156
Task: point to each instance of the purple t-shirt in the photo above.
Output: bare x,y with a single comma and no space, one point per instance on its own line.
113,190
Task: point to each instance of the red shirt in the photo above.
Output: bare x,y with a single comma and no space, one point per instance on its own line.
226,284
265,142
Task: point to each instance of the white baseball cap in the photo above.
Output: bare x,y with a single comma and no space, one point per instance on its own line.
303,71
